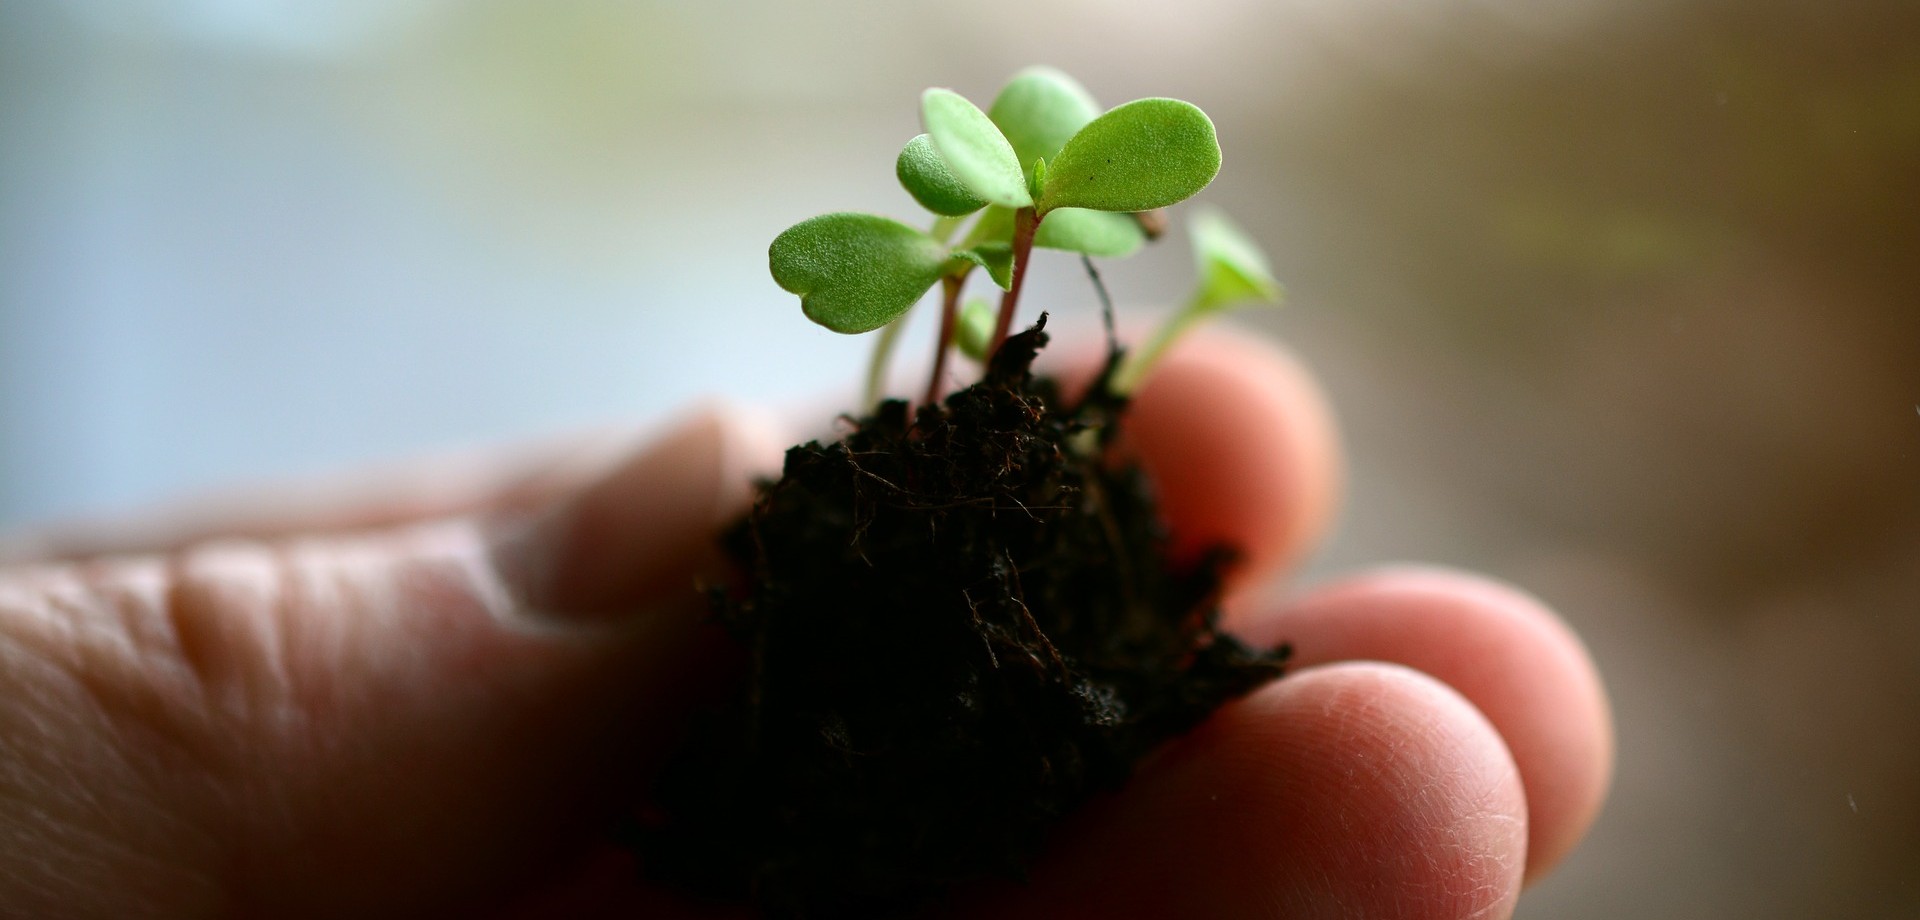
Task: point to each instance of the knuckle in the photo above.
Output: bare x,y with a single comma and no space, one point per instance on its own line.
105,741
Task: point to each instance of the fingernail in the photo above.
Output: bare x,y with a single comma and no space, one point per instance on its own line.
644,535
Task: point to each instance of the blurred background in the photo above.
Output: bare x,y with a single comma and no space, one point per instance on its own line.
1616,300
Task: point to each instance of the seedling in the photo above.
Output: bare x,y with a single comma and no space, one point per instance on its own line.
1233,271
1045,167
960,621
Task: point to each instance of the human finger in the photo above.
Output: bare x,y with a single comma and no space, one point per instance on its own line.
1503,650
1348,790
1242,450
400,719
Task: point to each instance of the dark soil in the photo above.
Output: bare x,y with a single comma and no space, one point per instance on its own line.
960,627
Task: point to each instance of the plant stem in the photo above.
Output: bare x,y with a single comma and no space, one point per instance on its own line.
882,355
1025,221
949,314
1106,302
1134,367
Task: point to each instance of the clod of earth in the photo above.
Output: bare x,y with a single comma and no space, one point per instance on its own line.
960,625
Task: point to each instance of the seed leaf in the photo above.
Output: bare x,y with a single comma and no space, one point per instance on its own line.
973,148
973,330
855,272
995,256
1038,110
927,178
1094,233
1146,154
1231,266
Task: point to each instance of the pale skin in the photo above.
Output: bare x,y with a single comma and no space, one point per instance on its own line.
411,694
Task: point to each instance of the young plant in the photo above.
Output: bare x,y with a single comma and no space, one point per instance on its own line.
959,623
1233,271
1044,167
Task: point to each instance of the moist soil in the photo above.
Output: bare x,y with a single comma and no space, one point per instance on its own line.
960,624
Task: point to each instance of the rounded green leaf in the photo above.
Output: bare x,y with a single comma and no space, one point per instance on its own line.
855,272
927,178
975,150
1146,154
1038,110
1094,233
973,329
1231,266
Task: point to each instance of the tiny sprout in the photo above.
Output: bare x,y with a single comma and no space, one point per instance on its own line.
1044,167
1232,268
1232,271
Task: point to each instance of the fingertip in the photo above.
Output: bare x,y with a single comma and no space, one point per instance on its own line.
1500,647
637,536
1348,790
1242,447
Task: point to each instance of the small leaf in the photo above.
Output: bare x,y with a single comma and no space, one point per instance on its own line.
1094,233
975,150
927,178
996,257
973,329
1146,154
1232,268
1038,110
855,272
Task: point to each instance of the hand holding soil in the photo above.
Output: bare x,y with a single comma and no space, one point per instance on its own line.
413,694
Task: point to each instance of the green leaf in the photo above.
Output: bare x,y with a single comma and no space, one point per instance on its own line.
1231,266
973,329
1038,110
975,150
996,257
855,272
1094,233
1146,154
994,226
927,178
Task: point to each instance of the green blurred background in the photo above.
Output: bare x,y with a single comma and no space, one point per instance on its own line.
1615,300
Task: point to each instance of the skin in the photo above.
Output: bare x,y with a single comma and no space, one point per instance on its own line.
410,694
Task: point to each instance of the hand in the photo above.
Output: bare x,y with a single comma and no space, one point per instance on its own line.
412,695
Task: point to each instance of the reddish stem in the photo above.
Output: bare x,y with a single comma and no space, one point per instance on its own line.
1025,221
949,313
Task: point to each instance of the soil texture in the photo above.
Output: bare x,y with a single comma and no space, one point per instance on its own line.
959,624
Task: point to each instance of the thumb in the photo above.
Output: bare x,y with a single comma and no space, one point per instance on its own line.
630,539
381,723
